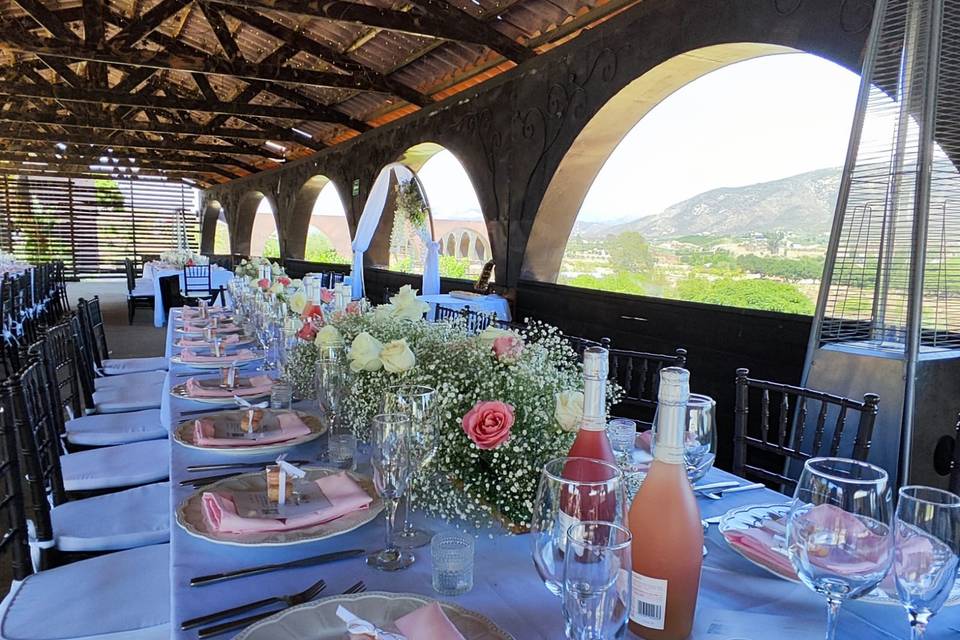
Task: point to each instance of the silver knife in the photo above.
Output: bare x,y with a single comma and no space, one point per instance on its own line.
743,487
713,486
266,568
196,482
234,465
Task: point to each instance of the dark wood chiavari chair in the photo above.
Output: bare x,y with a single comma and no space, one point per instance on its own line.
198,283
135,299
58,355
955,459
788,435
91,322
14,541
441,313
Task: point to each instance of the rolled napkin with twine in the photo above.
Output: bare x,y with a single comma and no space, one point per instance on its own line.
188,355
291,427
259,386
344,494
429,622
223,328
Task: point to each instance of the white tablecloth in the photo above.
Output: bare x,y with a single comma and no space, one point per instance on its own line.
218,277
492,303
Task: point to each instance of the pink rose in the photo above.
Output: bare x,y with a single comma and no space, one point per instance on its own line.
312,311
284,280
263,283
326,295
353,308
488,423
508,347
307,332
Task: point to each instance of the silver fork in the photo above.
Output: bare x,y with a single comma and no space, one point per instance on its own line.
305,595
208,632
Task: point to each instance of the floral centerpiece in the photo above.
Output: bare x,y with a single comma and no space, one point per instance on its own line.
250,268
507,401
181,258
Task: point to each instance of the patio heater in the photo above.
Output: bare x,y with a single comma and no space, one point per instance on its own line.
888,313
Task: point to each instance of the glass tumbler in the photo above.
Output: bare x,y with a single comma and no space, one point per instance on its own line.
452,554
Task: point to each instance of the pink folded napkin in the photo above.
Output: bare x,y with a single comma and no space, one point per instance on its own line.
291,426
765,545
185,342
259,386
193,312
870,549
429,622
187,355
345,496
223,328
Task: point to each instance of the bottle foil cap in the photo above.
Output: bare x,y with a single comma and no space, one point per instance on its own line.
596,363
674,386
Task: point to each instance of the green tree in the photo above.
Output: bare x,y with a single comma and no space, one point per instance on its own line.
221,239
629,251
453,267
766,295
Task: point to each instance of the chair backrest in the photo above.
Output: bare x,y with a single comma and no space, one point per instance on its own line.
579,345
638,373
130,271
170,292
91,321
197,279
14,546
57,353
476,321
783,430
39,424
83,360
441,313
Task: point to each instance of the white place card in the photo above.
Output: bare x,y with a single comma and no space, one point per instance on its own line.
307,498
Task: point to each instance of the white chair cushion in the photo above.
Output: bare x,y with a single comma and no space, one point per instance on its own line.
128,392
124,465
133,518
120,366
119,596
105,429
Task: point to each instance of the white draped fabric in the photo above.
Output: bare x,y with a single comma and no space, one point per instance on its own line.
431,270
370,219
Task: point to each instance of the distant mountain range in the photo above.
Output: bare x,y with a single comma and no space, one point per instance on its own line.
800,203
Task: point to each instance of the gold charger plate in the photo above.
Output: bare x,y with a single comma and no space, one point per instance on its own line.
184,434
190,513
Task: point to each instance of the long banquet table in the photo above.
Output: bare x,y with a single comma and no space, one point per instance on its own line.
737,600
219,277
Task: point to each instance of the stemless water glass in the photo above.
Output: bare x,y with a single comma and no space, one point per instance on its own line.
838,530
452,556
596,582
392,463
700,440
926,544
571,490
419,402
622,433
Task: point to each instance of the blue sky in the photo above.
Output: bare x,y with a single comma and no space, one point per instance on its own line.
753,121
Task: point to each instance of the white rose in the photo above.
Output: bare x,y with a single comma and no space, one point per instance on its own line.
328,336
488,335
365,353
298,302
407,305
569,411
397,357
276,269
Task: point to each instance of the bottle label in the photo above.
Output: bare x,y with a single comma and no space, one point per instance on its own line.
649,601
564,522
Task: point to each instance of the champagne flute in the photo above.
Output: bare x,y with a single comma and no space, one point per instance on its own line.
596,583
392,462
571,490
418,402
926,544
838,530
332,373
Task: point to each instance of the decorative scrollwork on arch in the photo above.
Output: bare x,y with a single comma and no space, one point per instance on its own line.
786,7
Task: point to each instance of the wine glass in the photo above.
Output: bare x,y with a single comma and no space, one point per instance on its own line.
332,375
419,402
926,544
838,530
700,439
571,490
596,583
392,462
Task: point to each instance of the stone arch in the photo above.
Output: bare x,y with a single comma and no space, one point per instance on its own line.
241,231
211,211
300,217
595,142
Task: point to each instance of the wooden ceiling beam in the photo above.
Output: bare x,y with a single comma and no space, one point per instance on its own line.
107,96
213,65
194,164
93,36
104,139
201,180
204,86
467,28
47,19
327,54
140,27
219,26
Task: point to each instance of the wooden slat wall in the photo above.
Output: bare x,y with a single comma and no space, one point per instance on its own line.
92,225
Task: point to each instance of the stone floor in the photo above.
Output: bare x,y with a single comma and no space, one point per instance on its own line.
124,340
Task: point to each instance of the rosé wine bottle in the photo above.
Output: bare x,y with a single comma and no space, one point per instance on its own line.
665,522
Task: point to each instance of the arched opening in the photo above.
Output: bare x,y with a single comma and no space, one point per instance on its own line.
328,234
265,237
221,236
730,204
